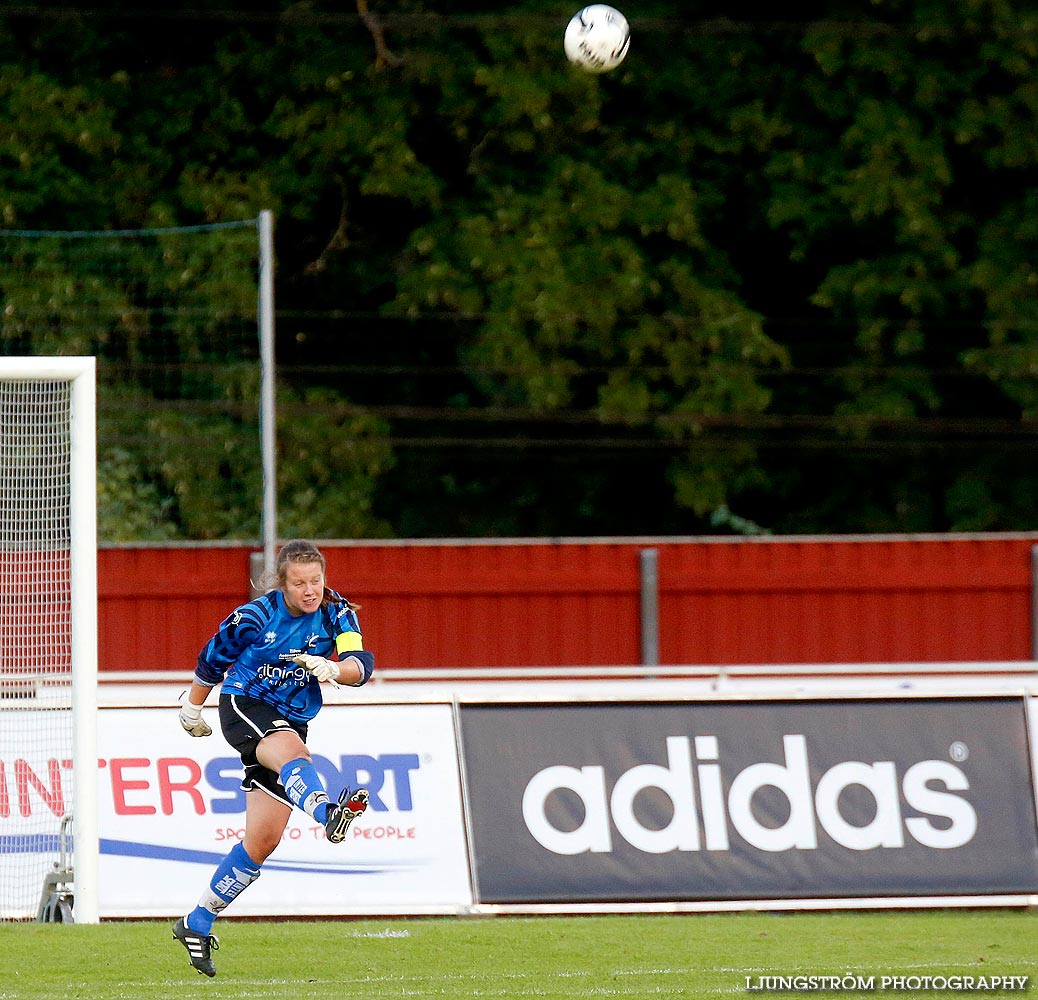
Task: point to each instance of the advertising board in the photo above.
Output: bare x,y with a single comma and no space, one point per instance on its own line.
750,799
171,807
637,803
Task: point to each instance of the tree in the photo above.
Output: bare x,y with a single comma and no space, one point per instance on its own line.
766,276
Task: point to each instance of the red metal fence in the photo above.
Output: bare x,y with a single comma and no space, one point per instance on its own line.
578,602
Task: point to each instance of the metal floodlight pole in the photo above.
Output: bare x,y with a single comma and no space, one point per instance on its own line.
1034,602
267,389
650,606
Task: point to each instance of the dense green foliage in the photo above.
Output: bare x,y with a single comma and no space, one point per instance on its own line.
768,275
557,958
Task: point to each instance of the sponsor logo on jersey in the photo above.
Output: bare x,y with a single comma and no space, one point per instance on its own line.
283,673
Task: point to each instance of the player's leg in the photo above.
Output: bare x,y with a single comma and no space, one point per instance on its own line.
266,817
265,820
271,743
285,753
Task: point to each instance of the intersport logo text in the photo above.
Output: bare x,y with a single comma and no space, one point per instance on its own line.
693,783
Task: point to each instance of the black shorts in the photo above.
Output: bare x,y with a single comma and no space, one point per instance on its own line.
245,721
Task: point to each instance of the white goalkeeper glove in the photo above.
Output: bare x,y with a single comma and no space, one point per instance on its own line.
322,669
192,721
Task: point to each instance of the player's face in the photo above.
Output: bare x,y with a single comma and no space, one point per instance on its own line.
304,587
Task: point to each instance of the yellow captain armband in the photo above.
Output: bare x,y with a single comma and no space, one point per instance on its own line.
347,642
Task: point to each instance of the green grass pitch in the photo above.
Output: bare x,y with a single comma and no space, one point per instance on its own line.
645,955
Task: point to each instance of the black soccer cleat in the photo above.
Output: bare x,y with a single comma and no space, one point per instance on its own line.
341,815
198,947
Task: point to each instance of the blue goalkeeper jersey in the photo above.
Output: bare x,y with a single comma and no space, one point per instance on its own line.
252,650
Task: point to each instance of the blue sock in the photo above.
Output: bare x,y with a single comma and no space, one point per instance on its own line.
304,787
236,872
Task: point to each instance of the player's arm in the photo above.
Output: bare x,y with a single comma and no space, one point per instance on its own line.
191,710
354,665
235,633
356,668
239,630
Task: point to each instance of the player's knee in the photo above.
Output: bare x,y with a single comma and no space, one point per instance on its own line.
277,749
260,846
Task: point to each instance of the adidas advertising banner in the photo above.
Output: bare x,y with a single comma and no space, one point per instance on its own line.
600,802
171,809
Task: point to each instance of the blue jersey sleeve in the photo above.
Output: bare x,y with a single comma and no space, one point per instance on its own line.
348,638
239,630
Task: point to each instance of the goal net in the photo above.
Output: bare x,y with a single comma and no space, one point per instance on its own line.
48,631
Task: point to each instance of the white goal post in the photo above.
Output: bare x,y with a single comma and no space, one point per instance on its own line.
48,628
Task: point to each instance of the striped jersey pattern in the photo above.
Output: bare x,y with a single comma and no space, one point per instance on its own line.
251,652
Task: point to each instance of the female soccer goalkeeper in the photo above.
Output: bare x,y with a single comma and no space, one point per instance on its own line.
271,655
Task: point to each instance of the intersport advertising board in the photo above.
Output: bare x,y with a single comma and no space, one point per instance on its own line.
753,800
171,808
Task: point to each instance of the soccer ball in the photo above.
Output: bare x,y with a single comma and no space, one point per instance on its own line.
597,38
